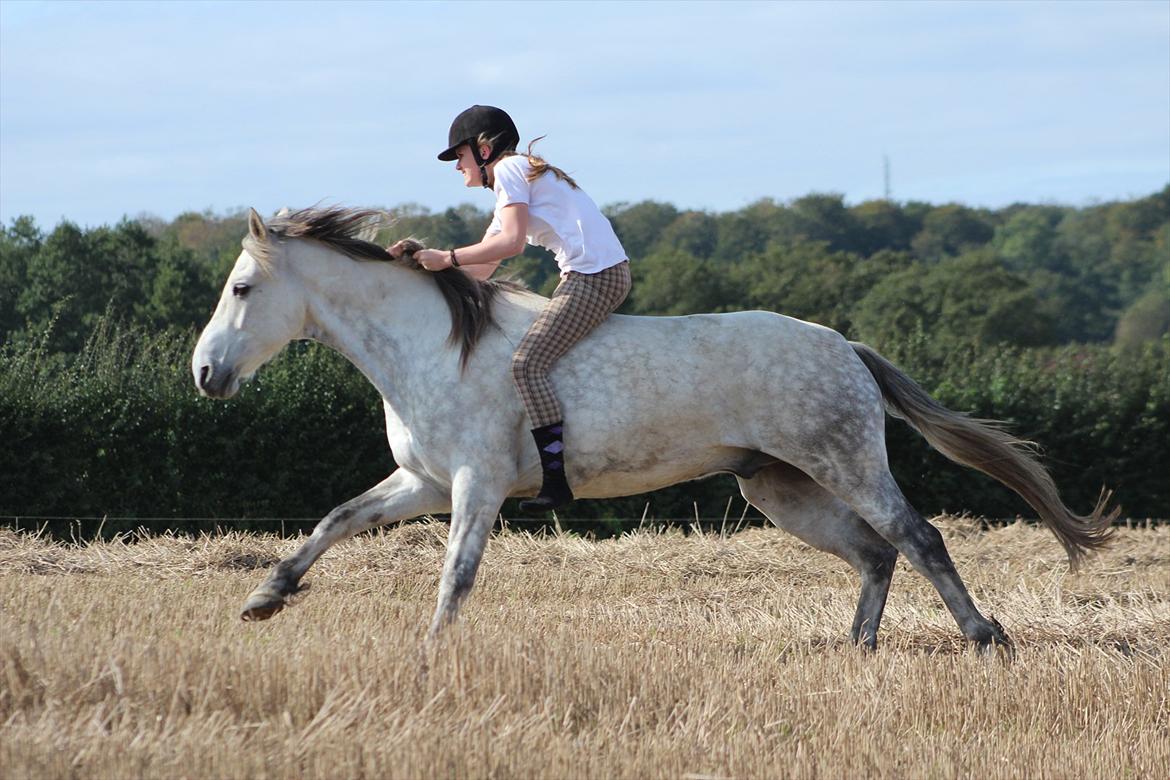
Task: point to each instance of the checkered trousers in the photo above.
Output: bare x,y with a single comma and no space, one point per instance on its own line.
580,303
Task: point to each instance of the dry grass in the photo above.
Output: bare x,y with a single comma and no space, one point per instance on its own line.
654,655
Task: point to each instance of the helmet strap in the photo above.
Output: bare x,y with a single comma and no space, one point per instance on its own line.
483,164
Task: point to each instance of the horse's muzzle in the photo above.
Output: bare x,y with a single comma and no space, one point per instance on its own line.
216,382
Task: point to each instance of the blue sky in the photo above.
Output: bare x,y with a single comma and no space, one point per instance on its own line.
112,109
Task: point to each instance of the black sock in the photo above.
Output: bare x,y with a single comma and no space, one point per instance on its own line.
554,488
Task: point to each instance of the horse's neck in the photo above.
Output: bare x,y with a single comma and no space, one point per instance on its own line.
390,322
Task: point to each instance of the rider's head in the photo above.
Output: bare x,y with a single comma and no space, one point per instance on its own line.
478,137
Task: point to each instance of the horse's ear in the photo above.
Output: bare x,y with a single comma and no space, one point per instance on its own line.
284,211
256,227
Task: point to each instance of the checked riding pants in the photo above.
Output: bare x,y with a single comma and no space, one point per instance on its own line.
580,303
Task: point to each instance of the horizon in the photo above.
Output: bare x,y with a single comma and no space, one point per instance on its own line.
241,211
162,109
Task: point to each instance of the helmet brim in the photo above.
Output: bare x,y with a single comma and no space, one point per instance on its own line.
448,155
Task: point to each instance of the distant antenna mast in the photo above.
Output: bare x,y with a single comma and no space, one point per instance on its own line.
886,174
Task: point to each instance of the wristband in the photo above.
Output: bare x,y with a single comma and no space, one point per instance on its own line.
454,262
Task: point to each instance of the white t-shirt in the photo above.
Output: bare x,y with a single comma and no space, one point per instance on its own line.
561,219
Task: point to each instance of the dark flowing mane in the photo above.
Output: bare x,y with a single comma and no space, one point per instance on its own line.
346,230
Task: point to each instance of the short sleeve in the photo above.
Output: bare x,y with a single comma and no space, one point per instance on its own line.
495,227
511,184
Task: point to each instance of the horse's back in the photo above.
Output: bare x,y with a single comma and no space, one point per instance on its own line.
751,347
655,392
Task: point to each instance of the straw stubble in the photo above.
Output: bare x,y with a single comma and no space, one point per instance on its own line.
651,655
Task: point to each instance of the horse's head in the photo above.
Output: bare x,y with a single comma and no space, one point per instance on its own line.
274,293
259,312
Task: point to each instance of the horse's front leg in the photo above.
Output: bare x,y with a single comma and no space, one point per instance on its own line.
475,502
399,497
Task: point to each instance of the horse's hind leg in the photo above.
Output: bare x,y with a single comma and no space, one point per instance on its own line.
794,502
399,497
868,486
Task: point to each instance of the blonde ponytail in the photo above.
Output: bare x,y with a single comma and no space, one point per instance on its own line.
540,166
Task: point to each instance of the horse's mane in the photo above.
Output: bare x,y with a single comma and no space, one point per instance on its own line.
347,229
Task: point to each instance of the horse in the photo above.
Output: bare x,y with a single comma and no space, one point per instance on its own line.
794,410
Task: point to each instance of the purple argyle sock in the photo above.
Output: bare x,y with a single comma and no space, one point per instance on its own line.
554,489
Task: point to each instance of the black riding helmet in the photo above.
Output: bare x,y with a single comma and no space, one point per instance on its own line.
474,122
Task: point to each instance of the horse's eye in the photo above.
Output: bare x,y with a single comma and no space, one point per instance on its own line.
241,290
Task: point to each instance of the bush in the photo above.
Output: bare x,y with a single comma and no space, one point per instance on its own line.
1101,418
119,430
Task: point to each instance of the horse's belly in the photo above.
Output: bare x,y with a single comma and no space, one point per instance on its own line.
600,477
601,481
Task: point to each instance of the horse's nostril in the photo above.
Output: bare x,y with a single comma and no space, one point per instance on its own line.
203,374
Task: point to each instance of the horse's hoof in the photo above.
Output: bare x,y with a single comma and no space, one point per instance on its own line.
261,605
996,642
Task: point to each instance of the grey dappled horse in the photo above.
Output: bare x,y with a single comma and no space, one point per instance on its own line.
794,410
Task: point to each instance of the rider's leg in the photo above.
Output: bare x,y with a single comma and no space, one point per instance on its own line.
579,304
554,487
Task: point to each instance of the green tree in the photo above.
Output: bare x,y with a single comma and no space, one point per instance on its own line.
454,227
207,235
1147,319
536,268
812,282
18,245
692,232
882,225
1139,218
773,219
969,301
949,230
738,237
181,293
1081,238
639,226
674,282
1029,240
1128,243
77,276
1134,262
822,217
60,284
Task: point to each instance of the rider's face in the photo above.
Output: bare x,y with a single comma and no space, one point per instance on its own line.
465,164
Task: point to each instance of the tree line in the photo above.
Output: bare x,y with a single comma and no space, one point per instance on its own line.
1052,317
879,271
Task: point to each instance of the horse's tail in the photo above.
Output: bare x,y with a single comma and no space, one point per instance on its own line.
985,445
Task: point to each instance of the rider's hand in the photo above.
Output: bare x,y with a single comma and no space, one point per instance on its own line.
399,248
432,259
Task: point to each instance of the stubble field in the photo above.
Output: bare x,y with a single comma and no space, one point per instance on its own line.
652,655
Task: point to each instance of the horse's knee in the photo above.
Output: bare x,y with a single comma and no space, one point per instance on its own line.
928,540
899,524
460,579
342,521
920,542
463,579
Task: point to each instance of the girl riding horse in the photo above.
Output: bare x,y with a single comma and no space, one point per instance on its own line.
539,204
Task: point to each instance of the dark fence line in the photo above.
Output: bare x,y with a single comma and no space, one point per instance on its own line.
71,527
602,527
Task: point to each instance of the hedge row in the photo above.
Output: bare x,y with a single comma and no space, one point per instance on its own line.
120,431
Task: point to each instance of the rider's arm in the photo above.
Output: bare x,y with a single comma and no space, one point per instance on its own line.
480,260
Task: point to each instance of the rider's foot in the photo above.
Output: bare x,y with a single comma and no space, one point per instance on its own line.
554,489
